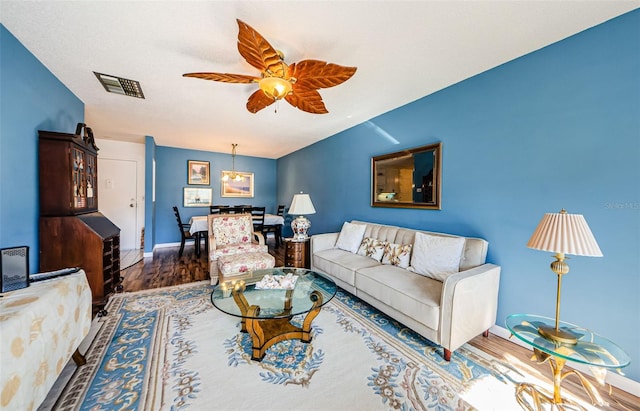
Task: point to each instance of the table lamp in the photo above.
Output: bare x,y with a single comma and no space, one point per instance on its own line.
562,233
301,205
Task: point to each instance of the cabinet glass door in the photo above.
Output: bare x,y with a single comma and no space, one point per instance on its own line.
78,178
91,180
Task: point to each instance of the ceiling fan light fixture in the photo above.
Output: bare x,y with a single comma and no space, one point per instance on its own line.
275,87
297,83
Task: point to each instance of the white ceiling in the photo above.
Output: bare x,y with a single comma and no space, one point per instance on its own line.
404,50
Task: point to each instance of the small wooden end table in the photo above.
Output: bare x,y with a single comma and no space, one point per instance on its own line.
297,253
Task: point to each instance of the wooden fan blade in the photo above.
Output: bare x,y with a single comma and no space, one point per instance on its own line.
258,52
306,100
258,100
224,77
315,74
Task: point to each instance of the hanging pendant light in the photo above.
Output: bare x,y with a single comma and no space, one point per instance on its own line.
233,175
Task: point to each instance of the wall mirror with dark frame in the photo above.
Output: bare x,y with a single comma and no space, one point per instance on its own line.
408,179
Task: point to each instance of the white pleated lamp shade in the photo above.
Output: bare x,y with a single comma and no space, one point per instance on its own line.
301,205
564,233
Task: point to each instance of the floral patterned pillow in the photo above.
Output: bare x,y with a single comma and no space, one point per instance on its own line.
232,230
397,254
372,248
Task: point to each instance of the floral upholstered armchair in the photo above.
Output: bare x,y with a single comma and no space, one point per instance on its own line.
231,234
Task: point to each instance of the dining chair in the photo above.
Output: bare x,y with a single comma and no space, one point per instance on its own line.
222,209
275,229
184,232
246,208
257,215
235,210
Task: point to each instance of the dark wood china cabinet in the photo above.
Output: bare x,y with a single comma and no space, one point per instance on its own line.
73,233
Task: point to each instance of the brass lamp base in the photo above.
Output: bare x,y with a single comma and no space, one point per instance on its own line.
561,336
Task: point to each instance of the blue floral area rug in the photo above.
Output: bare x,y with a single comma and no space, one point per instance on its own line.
170,349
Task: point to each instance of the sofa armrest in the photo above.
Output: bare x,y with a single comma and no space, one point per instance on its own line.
468,304
212,244
321,242
258,237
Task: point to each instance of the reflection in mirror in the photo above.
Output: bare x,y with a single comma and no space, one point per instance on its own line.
408,179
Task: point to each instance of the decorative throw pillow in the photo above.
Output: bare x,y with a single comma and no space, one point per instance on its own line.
372,248
364,246
397,254
350,237
436,256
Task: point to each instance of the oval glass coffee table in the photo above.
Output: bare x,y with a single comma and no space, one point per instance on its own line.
266,313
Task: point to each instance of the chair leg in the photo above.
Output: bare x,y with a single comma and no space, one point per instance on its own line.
447,355
181,247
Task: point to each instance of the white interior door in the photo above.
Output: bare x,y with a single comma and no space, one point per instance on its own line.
117,198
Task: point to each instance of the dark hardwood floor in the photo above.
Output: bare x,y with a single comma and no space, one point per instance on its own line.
166,269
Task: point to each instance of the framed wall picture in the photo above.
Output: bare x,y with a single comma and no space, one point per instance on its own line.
232,187
197,197
198,172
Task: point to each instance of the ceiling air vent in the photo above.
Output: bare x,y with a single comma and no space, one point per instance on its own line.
120,85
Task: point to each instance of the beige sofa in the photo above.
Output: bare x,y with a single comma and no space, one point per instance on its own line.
448,312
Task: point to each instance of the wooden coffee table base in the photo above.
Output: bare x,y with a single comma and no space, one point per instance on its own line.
265,332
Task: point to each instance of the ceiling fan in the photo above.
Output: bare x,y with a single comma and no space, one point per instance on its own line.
297,83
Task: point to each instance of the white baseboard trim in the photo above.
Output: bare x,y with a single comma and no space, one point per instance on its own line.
617,380
163,245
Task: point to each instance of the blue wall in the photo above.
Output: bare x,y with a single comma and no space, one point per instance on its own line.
171,178
31,99
557,128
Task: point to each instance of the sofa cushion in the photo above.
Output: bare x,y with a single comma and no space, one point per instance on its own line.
397,254
341,264
238,249
372,248
241,263
350,237
414,295
436,256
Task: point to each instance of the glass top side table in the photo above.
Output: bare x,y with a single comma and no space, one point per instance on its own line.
591,349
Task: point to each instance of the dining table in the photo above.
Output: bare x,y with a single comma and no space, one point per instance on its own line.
199,228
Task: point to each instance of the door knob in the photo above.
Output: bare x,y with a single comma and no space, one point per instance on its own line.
131,205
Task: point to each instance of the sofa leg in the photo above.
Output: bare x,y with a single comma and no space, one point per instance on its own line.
485,334
78,358
447,355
